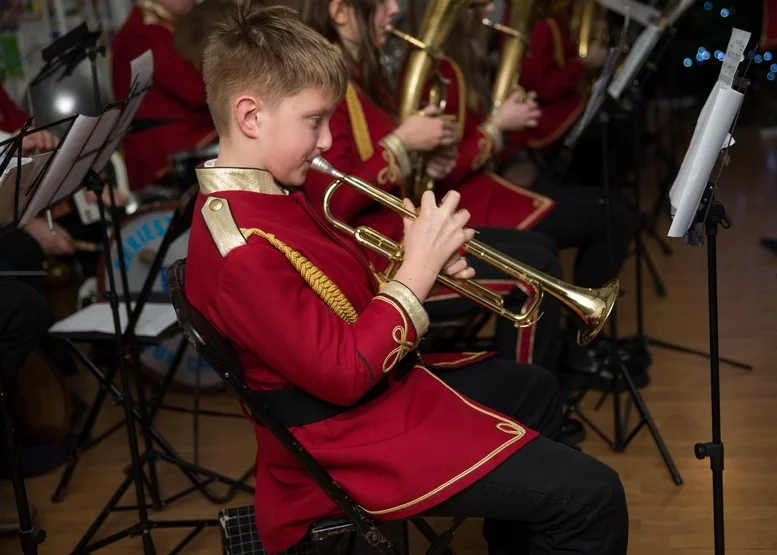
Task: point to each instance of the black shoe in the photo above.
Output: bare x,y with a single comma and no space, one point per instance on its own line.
572,432
770,244
591,366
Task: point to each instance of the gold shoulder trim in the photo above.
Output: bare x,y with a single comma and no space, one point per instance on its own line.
462,94
361,132
558,44
222,226
315,278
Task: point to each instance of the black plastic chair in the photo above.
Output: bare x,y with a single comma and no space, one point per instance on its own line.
217,352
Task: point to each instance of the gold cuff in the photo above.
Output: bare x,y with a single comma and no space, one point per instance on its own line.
493,131
410,303
397,148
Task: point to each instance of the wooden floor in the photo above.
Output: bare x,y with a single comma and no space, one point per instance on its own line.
665,519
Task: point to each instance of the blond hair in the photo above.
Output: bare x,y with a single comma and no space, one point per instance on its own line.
265,50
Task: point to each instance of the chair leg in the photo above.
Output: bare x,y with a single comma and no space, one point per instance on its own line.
441,543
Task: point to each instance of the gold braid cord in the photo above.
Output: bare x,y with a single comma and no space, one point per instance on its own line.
315,278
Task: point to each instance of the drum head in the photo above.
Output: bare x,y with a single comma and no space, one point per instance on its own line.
141,236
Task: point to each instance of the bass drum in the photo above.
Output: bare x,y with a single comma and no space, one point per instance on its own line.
141,236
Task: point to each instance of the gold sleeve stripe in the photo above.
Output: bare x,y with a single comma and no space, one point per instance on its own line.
410,304
493,131
361,132
397,148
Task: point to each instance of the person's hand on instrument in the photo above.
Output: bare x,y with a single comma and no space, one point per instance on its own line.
59,244
119,196
441,162
42,141
431,241
423,133
515,114
596,57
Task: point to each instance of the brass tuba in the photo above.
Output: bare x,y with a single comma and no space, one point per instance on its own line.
421,68
591,306
508,73
583,26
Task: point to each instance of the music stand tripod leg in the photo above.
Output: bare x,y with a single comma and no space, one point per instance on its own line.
30,536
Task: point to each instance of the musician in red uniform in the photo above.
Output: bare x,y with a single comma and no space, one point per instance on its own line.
368,143
174,115
403,436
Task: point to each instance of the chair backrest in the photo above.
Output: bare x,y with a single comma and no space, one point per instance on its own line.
222,357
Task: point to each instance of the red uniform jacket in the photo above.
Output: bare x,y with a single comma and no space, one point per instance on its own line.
551,68
335,334
175,107
11,116
492,200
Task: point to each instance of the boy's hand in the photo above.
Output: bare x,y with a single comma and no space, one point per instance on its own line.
441,163
432,240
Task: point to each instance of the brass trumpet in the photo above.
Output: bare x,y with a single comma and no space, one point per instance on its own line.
591,306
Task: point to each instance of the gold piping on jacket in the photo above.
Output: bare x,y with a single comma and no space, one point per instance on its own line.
399,334
219,179
315,278
391,173
485,151
503,425
361,132
541,203
558,44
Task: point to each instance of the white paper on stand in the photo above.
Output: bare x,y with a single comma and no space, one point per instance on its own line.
8,187
67,155
98,318
142,69
636,58
711,135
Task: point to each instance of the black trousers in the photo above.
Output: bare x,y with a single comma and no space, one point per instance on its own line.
535,250
580,220
24,319
546,498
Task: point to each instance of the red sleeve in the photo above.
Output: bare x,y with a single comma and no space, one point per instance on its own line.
268,308
381,168
13,118
541,70
476,148
172,73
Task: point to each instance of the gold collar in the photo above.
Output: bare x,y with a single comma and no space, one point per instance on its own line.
214,180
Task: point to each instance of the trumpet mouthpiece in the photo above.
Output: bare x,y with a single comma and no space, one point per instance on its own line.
321,165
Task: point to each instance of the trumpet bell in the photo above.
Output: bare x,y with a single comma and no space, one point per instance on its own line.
593,307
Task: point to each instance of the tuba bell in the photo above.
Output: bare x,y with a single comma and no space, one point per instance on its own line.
506,82
421,68
591,306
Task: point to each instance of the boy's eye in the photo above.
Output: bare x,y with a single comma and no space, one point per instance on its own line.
316,121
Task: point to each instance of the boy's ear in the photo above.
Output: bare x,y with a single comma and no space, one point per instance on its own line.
248,113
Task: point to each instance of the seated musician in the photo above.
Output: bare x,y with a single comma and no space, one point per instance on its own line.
319,338
576,218
174,115
368,143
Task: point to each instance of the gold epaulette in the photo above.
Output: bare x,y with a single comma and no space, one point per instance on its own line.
222,226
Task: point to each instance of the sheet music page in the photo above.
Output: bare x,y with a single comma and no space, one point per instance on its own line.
635,59
596,100
98,318
69,151
142,69
91,150
643,14
4,136
8,188
710,136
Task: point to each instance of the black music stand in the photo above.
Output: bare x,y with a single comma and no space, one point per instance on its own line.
20,181
632,101
91,154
